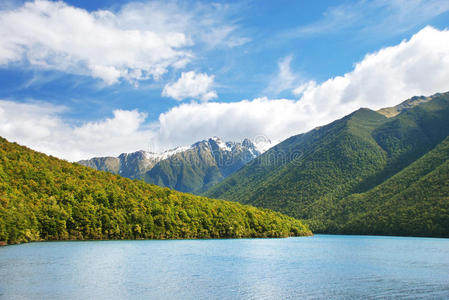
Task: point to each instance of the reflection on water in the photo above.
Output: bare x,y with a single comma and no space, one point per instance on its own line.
322,266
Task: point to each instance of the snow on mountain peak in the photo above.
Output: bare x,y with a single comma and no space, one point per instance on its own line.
222,145
171,152
166,154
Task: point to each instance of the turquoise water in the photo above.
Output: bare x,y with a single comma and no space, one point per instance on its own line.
323,266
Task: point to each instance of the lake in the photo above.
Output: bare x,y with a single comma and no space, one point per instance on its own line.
322,266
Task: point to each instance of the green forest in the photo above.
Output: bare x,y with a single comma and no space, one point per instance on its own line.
367,173
413,202
45,198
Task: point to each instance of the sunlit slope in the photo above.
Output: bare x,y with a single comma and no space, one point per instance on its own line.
44,198
326,163
415,201
353,155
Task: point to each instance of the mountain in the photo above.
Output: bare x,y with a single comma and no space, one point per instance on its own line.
44,198
191,169
328,176
415,201
406,105
130,165
201,166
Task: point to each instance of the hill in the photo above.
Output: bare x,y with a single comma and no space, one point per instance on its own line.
191,169
415,201
324,175
44,198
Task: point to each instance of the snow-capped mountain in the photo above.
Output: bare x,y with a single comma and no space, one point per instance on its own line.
189,169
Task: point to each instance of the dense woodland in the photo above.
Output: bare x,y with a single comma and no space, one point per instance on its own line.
363,174
44,198
367,173
413,202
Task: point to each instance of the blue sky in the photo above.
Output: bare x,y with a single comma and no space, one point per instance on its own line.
87,78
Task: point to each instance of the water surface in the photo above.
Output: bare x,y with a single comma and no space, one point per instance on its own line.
322,266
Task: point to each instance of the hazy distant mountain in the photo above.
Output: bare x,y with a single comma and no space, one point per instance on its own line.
188,169
370,172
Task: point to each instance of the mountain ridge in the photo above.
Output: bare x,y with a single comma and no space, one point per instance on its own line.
45,198
188,169
348,156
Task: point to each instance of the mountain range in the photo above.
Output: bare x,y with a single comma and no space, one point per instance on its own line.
382,172
191,169
371,172
45,198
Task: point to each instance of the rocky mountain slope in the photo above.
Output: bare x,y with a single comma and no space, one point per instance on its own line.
191,169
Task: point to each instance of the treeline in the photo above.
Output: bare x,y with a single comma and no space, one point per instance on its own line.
44,198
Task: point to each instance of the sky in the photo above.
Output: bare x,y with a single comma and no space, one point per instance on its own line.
80,78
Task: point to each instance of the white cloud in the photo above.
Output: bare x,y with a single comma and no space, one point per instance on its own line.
40,126
391,17
140,41
223,35
211,24
191,86
419,66
54,35
231,121
285,79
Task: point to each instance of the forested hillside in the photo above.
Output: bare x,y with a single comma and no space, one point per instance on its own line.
321,176
44,198
413,202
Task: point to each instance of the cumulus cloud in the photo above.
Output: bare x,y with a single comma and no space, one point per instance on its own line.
138,42
191,86
418,66
42,127
231,121
54,35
